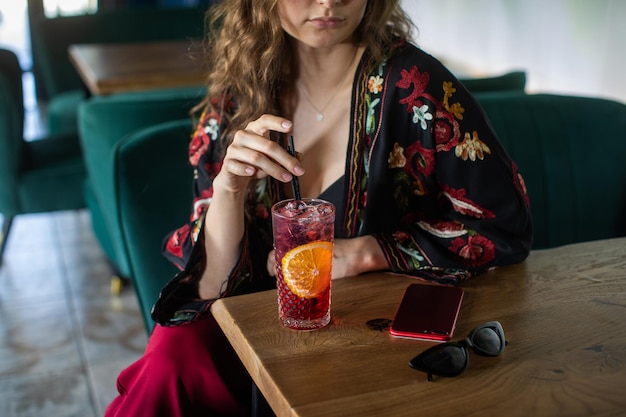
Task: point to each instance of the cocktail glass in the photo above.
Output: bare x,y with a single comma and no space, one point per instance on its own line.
303,243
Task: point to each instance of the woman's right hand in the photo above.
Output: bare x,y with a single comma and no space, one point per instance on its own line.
250,155
253,155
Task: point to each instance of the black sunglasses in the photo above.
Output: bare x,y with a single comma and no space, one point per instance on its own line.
451,358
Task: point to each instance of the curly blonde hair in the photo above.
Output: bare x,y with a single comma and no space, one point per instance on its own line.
249,56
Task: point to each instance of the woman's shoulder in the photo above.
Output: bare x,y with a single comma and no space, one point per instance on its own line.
404,55
403,48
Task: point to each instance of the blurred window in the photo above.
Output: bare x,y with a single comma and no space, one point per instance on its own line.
53,8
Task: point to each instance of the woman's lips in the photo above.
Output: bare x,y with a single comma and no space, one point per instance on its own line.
326,22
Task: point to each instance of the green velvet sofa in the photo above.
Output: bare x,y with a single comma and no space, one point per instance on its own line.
103,122
570,151
61,84
41,175
513,81
152,202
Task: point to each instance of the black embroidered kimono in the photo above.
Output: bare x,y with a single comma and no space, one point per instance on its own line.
425,175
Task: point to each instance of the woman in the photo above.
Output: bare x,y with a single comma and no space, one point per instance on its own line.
384,131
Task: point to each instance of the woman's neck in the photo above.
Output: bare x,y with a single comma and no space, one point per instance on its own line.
323,70
323,75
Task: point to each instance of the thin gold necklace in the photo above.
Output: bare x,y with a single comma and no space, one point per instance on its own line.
320,112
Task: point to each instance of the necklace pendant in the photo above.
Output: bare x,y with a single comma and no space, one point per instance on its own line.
319,116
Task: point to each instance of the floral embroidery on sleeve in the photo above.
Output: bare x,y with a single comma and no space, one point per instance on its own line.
447,130
201,203
415,164
375,85
174,244
419,81
519,183
443,229
421,160
476,251
455,108
396,157
464,205
422,116
199,141
471,148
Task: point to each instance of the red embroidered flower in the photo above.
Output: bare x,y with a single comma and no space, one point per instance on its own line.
224,102
176,241
420,160
447,131
213,167
206,131
198,146
364,199
400,236
464,205
443,229
518,180
476,251
201,203
199,141
260,211
418,80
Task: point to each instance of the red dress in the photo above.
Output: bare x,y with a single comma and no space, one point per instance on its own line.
186,371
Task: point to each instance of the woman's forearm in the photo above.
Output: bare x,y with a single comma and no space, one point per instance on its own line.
356,256
223,231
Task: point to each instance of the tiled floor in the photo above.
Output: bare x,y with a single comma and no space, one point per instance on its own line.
63,336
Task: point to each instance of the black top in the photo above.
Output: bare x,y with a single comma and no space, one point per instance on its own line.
334,193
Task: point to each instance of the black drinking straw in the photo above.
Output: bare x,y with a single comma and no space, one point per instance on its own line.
295,184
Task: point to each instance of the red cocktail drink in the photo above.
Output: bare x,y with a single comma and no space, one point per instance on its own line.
303,242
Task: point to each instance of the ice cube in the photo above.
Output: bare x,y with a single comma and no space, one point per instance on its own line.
295,208
324,209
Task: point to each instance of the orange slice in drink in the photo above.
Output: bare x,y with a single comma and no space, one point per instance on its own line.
307,269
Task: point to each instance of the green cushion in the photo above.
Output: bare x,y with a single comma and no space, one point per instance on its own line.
35,176
152,202
570,151
11,130
62,111
512,81
97,221
53,188
103,122
50,151
52,176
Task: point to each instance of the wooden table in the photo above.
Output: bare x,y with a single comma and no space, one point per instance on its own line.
563,313
114,68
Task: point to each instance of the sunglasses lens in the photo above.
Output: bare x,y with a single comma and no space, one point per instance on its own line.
488,339
449,359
